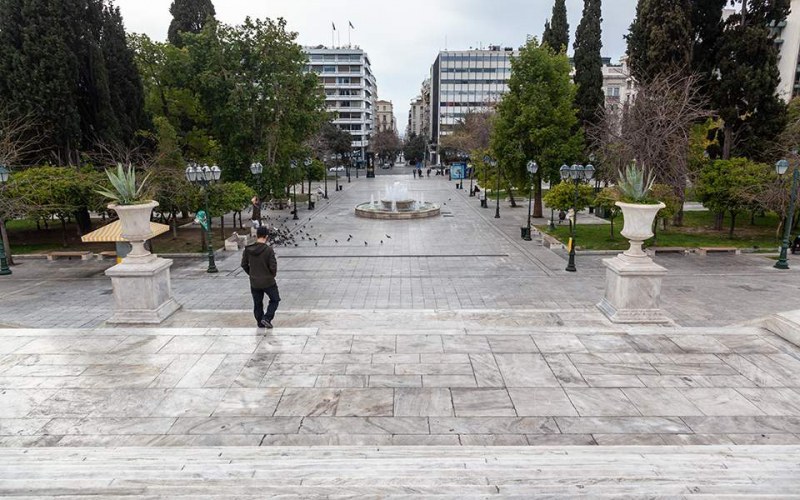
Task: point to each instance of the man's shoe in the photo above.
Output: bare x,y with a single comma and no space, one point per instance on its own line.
266,324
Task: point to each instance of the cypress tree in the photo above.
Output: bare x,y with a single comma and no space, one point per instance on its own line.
188,16
38,69
589,98
660,39
556,33
707,28
124,83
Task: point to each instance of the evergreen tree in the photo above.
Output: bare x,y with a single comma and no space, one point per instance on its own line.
124,81
707,27
746,97
660,39
188,16
556,33
589,98
536,120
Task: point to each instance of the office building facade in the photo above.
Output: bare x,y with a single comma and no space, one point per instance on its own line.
463,82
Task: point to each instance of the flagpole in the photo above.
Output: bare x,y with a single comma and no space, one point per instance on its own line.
349,28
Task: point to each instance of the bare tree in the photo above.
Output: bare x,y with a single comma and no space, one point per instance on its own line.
655,130
472,132
20,137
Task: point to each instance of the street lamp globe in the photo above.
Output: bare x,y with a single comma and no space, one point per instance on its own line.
782,167
588,172
191,172
216,173
564,172
256,168
3,174
308,162
533,167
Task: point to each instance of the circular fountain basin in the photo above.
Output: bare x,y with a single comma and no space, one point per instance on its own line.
406,209
400,204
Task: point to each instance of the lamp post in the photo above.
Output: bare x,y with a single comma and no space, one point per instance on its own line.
326,179
308,162
497,184
257,169
488,162
293,166
532,167
577,173
337,161
347,159
204,177
471,190
782,167
4,269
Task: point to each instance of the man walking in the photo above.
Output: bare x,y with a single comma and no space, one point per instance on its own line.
259,262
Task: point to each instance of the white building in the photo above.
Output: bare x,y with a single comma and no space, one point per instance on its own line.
350,90
416,116
462,82
618,85
788,40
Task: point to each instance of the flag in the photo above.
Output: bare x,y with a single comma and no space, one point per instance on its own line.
351,25
334,26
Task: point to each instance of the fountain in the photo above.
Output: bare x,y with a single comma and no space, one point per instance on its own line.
397,203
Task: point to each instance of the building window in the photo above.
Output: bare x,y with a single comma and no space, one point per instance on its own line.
612,92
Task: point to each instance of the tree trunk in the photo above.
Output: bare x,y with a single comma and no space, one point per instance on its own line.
733,224
6,243
719,218
753,218
222,227
202,239
728,139
83,221
511,197
174,224
537,196
655,232
63,232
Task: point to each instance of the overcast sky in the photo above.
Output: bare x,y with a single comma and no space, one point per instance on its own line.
402,37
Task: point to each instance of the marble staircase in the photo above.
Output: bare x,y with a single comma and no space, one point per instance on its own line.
401,472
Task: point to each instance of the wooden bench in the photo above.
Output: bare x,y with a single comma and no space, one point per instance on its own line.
656,250
706,250
69,255
109,254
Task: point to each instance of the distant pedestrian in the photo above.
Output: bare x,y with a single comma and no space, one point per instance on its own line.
255,214
415,173
260,264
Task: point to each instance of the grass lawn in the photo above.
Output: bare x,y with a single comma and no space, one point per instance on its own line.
697,231
25,239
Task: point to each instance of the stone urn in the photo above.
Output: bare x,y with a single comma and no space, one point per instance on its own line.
638,225
135,222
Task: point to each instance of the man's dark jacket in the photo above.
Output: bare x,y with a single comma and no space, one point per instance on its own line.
259,262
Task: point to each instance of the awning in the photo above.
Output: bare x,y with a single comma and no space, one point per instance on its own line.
113,232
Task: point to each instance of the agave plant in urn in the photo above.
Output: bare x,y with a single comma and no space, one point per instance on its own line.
132,206
638,208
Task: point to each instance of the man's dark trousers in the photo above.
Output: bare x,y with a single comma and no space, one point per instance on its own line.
258,302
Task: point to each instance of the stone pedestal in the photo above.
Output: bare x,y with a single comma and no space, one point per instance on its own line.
142,291
633,288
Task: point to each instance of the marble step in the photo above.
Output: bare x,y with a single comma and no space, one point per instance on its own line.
400,472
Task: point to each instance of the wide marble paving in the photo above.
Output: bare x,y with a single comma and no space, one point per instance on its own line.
458,386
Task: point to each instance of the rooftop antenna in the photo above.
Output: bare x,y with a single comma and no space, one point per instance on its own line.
445,43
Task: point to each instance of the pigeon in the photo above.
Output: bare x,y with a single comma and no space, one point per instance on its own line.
388,236
365,243
381,242
336,241
315,243
350,235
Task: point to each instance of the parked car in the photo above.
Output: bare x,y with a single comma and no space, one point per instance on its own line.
336,169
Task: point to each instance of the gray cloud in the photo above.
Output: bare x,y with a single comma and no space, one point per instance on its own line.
401,37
